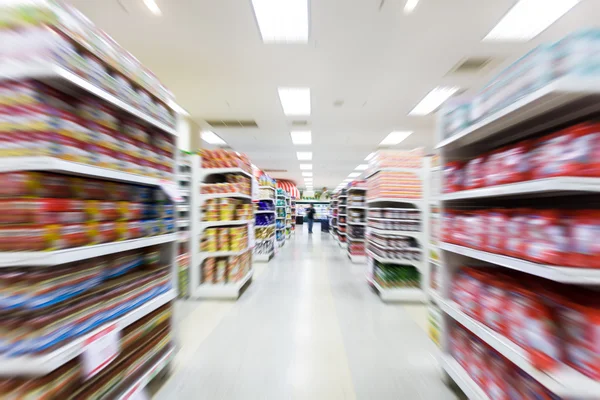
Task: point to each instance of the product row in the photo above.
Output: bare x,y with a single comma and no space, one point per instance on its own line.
405,225
394,276
396,159
574,151
392,242
554,323
395,213
225,239
265,206
265,180
495,375
356,231
266,194
264,232
557,237
224,270
224,159
356,215
264,220
226,210
237,184
264,247
407,254
394,185
43,330
356,248
141,345
574,55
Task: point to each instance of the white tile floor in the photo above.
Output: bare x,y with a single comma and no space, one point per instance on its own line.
308,327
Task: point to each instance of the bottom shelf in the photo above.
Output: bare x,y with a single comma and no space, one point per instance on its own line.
264,257
462,379
412,295
226,291
141,383
358,259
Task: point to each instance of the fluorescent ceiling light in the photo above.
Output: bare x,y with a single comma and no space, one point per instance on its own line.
308,180
370,156
301,137
306,166
282,21
361,167
410,6
212,138
433,100
307,174
153,7
529,18
295,101
354,175
304,155
395,137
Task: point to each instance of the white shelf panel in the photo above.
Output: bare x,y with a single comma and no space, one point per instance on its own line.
342,233
342,223
416,171
183,223
216,171
357,259
265,212
546,187
208,196
543,101
213,254
266,199
581,276
33,365
9,164
357,223
49,258
394,219
208,224
268,187
435,296
564,382
416,235
182,207
144,380
353,239
264,257
64,80
342,196
224,291
395,260
400,294
357,207
458,374
416,202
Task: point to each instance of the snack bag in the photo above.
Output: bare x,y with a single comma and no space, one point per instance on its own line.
516,228
453,177
546,238
515,163
495,224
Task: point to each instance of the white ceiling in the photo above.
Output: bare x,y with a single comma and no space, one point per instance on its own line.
381,63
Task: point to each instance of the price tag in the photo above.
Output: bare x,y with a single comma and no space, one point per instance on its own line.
170,188
100,350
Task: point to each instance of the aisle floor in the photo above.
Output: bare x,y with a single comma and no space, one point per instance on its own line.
307,327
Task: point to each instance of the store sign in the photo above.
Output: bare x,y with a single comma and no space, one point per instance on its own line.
170,188
100,350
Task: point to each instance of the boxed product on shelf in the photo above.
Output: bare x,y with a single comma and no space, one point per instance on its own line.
226,209
399,225
224,159
356,248
396,159
225,239
264,220
224,270
265,206
357,231
266,194
387,184
434,319
235,184
396,276
396,248
395,213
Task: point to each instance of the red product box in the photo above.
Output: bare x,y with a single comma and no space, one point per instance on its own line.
496,380
35,184
495,223
41,211
453,177
551,156
494,302
474,173
102,156
586,150
584,227
515,163
516,229
546,238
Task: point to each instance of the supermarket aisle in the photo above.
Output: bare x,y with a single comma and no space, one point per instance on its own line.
308,327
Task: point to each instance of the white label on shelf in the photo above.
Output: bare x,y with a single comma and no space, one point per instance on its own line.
170,188
100,350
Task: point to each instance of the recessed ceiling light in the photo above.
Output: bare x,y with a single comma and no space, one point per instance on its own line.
153,7
354,175
282,21
212,138
295,101
528,18
307,174
362,167
301,137
308,180
304,155
410,6
306,166
370,156
395,137
433,100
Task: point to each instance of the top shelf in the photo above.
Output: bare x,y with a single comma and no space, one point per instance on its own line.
217,171
64,80
416,171
560,101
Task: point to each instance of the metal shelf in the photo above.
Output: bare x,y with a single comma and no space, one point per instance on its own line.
213,254
458,374
414,234
416,171
217,171
222,291
400,294
208,196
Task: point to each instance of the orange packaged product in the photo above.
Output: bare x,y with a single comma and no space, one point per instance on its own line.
103,232
546,239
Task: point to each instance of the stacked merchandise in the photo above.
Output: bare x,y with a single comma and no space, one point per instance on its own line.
88,236
280,217
342,223
288,216
293,206
395,225
184,178
356,220
519,229
334,216
264,230
222,266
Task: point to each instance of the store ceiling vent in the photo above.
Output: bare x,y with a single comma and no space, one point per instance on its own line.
471,65
232,123
300,122
275,170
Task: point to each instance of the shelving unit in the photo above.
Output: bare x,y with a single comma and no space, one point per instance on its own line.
280,217
182,212
395,195
266,246
333,205
356,220
548,109
342,226
293,207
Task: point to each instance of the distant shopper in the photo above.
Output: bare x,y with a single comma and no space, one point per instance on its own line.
310,216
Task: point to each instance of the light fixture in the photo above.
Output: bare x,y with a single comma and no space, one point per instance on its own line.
307,174
301,137
354,175
370,156
307,179
528,18
410,6
153,7
304,155
361,167
433,100
212,138
395,137
295,101
282,21
306,166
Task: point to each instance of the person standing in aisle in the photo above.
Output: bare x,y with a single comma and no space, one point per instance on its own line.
310,216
